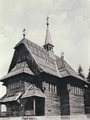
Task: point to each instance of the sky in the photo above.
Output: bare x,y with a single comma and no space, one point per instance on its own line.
69,25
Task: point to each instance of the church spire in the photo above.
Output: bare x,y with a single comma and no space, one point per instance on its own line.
48,43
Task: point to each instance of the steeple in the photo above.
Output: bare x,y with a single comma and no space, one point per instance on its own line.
48,43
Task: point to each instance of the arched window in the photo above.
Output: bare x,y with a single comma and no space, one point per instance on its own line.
55,89
52,88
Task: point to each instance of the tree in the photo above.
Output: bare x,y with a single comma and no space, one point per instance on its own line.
80,71
88,77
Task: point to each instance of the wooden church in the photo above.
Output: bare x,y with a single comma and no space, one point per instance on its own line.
40,83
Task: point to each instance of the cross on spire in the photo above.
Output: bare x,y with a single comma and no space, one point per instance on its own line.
24,32
47,20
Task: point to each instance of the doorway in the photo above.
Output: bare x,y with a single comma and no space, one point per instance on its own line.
35,106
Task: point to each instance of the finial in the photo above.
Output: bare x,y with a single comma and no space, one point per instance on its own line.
62,55
47,20
24,32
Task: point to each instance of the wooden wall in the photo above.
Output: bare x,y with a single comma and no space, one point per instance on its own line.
52,102
25,81
76,100
28,80
64,101
11,92
15,109
67,100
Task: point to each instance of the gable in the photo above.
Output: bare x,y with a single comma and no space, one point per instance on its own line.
37,58
19,55
32,91
22,53
66,70
19,68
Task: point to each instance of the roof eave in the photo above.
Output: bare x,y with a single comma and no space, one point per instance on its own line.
83,80
48,44
1,80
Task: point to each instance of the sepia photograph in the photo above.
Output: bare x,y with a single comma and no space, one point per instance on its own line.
44,59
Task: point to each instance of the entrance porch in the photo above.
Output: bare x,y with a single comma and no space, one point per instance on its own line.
34,106
35,101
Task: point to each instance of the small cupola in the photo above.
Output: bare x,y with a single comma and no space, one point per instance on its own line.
48,43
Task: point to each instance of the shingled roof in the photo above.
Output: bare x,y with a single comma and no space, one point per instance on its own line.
32,91
19,68
65,69
47,63
12,98
41,56
5,98
56,67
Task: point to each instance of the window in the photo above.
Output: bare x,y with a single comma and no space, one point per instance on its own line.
55,89
77,90
14,85
73,89
20,83
11,86
49,87
52,88
17,83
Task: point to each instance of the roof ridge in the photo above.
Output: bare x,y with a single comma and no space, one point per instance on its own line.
22,41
